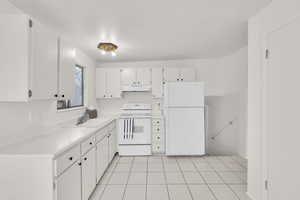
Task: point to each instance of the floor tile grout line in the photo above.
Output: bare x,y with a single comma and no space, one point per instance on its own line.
129,174
205,180
105,185
226,183
232,171
187,185
165,176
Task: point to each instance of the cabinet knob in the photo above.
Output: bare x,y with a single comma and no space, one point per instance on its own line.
182,79
85,158
63,96
79,164
178,79
111,96
91,143
55,95
104,95
71,158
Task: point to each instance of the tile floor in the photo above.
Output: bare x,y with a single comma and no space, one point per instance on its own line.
174,178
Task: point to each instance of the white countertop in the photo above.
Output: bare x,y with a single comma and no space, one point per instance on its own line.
57,140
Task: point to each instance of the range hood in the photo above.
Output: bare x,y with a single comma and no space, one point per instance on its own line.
136,88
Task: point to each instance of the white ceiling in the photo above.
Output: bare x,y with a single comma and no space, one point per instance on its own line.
149,29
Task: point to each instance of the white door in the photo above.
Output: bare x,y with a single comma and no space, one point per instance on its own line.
44,69
157,82
128,76
281,112
66,70
102,157
68,185
172,74
187,74
113,83
143,76
185,131
88,173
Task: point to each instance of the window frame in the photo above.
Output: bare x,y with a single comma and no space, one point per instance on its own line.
83,93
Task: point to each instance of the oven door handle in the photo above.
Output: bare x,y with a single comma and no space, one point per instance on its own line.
132,128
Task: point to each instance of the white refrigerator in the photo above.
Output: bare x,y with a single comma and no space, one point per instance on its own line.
184,115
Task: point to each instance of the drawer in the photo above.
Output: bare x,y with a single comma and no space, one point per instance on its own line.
157,122
158,148
66,160
157,138
100,134
87,145
157,129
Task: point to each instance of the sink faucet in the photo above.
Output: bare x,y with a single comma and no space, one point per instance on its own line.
83,118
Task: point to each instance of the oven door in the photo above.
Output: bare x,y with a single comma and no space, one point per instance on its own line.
135,131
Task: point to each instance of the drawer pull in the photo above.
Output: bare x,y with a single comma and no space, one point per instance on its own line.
71,158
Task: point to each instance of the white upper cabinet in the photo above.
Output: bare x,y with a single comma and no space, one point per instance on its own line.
143,76
28,59
157,82
101,83
66,70
187,74
172,74
113,83
108,83
44,57
128,76
136,77
180,74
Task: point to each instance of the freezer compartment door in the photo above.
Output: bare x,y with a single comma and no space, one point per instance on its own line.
184,94
185,133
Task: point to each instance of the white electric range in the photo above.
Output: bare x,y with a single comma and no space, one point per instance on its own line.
135,129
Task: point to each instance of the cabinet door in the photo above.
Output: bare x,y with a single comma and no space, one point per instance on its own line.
171,74
128,76
188,74
14,45
44,69
66,70
157,82
102,157
88,173
69,184
113,83
143,76
112,144
101,83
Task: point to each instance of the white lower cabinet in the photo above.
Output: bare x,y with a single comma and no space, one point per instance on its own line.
102,156
88,173
69,183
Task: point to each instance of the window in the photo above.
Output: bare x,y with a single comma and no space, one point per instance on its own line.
78,99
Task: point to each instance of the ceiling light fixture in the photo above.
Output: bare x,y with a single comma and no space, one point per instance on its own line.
108,47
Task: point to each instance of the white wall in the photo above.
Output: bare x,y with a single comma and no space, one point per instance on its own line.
278,13
226,90
20,121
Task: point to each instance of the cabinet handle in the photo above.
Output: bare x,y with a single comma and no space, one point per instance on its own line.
178,79
182,79
79,164
55,95
85,158
63,96
91,143
71,158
